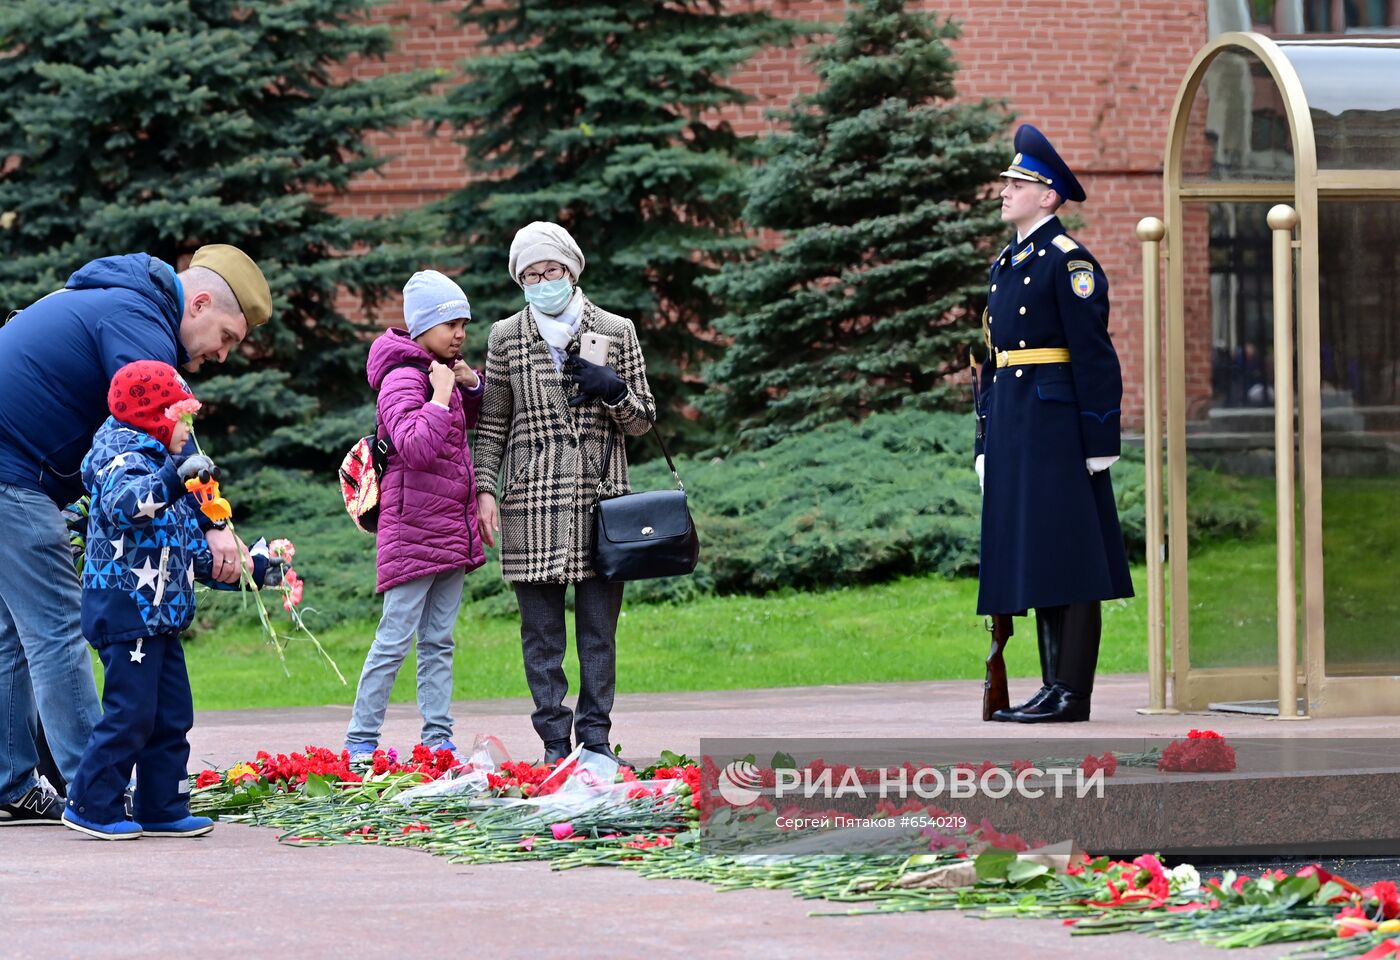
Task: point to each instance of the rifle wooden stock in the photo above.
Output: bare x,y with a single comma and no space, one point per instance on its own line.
994,693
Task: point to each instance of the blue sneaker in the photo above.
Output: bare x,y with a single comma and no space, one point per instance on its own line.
361,752
120,830
447,745
186,827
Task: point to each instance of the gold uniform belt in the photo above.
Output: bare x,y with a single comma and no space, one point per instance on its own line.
1017,358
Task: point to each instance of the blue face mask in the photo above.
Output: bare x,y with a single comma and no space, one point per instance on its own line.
550,297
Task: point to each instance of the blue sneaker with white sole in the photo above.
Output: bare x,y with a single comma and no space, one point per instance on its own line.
447,745
120,830
190,826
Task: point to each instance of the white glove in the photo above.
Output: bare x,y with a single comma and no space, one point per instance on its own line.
1099,464
980,465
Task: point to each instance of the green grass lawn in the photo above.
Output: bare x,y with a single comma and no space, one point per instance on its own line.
1233,582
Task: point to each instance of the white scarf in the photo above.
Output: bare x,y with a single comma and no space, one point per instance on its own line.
558,331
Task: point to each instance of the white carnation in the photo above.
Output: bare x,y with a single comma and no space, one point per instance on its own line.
1183,878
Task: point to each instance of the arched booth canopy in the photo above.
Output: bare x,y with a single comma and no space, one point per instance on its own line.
1282,380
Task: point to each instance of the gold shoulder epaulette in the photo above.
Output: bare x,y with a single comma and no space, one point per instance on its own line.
1065,243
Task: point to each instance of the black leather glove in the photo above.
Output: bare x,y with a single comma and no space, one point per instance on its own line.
198,465
594,380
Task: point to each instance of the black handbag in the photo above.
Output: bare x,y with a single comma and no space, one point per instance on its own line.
641,536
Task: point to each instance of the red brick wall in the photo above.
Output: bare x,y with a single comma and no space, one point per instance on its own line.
1099,79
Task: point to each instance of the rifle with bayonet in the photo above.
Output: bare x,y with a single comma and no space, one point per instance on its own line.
995,695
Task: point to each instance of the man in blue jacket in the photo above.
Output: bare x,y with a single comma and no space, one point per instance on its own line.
57,358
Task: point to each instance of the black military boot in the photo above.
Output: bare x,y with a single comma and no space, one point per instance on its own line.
1077,657
1079,648
1048,622
1059,706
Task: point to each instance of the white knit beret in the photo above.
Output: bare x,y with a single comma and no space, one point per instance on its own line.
543,240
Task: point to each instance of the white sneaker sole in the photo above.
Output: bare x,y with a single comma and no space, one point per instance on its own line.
29,823
185,833
98,834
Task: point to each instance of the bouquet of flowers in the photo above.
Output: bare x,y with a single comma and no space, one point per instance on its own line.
1203,751
214,506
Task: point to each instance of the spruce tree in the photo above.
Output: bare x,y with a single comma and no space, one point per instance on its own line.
160,125
879,188
606,116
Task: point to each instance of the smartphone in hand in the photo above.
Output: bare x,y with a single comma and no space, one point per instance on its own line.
593,347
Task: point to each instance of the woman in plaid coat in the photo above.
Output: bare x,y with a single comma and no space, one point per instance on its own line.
546,419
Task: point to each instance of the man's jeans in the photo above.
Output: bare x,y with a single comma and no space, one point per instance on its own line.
44,661
428,607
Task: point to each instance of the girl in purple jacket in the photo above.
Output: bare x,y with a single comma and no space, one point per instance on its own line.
429,398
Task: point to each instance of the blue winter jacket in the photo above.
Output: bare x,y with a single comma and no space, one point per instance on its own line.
145,548
58,355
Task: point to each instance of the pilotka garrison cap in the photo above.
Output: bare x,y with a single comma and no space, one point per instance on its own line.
242,276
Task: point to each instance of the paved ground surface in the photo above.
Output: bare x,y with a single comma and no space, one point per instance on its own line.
237,891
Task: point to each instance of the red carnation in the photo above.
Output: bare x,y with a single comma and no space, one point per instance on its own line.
1389,897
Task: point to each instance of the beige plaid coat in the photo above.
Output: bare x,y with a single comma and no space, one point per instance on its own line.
542,457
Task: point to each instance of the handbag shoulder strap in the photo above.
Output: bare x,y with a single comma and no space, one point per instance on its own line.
608,449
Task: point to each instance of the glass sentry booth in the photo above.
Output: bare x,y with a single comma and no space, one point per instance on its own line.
1282,360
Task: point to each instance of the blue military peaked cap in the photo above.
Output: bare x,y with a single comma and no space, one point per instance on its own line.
1036,160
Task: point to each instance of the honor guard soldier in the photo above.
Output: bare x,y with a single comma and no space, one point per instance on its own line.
1050,390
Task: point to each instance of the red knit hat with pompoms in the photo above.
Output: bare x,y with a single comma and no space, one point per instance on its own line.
140,394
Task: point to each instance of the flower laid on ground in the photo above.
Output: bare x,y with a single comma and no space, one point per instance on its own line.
518,779
642,822
242,771
254,780
1142,884
1203,751
1352,921
1108,763
661,840
1386,897
1184,878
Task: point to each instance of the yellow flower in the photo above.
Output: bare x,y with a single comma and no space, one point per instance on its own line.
242,771
1389,926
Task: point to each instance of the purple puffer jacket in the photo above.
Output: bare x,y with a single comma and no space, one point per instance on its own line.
427,498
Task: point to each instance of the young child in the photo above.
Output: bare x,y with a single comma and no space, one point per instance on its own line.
428,539
145,549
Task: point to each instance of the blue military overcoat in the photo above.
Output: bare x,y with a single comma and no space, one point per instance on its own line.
1050,532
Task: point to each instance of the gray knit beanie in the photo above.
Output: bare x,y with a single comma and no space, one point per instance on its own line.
429,298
